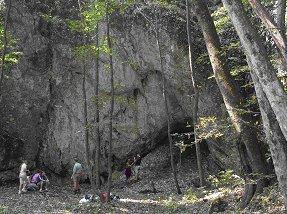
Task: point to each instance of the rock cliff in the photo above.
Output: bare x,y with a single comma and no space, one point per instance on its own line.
42,106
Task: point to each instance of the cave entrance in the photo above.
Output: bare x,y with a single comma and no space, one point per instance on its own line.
183,137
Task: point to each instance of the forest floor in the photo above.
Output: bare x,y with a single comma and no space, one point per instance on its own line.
135,197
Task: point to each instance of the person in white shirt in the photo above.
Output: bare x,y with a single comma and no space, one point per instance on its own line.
23,178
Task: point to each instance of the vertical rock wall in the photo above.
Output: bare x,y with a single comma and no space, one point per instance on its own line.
43,101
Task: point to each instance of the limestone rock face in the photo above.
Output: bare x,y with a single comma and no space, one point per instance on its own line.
43,100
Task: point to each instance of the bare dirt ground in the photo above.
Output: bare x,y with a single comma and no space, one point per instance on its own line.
60,199
135,198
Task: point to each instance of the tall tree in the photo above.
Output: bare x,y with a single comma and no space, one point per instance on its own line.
232,98
5,44
96,152
275,31
86,125
261,65
156,29
280,16
271,95
196,96
112,100
274,137
167,110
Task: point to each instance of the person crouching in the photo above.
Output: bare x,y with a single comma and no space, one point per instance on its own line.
40,179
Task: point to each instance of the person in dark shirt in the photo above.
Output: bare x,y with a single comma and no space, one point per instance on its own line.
137,165
128,170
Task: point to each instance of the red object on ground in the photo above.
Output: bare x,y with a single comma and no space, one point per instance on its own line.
104,197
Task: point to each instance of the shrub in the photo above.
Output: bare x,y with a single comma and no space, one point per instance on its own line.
225,178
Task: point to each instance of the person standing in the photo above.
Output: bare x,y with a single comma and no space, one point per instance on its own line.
76,176
23,178
128,170
137,165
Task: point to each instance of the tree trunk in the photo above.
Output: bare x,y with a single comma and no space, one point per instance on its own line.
5,44
259,61
112,104
232,98
167,111
86,131
86,128
276,34
196,96
97,114
280,16
274,137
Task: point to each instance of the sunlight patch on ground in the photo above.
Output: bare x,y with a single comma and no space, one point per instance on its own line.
124,210
147,201
62,212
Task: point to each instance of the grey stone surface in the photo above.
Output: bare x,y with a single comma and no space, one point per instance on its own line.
43,102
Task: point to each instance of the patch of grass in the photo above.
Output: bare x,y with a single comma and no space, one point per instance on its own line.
3,210
193,195
71,207
171,204
271,197
225,178
116,175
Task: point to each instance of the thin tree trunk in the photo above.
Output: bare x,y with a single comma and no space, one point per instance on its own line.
196,96
86,132
274,29
86,128
5,45
280,16
112,105
167,112
274,137
97,114
232,98
259,61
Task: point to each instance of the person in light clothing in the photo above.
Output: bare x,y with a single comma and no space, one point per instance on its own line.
76,176
23,178
137,165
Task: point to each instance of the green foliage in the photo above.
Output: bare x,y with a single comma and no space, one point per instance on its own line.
3,210
86,52
271,197
221,19
203,59
171,204
235,71
192,195
116,175
225,178
133,64
11,56
211,127
95,12
125,101
90,51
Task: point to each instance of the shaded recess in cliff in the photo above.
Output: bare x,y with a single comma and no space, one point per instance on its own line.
10,155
